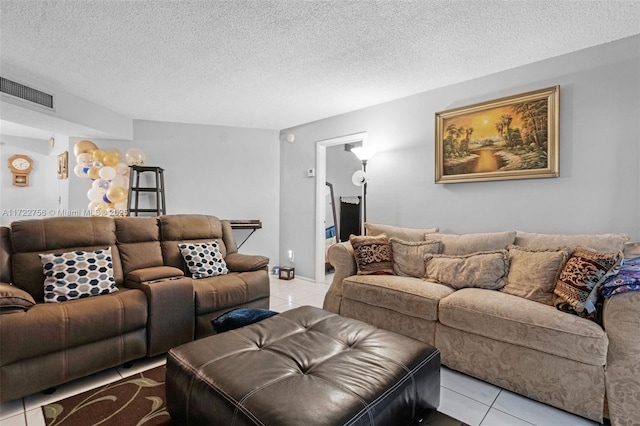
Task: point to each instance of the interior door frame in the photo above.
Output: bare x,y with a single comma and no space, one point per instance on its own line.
321,178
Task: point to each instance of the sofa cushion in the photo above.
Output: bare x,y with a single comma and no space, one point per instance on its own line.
47,328
5,255
521,322
582,276
139,243
30,238
391,231
55,232
230,290
189,228
533,272
408,256
482,270
373,254
459,244
77,274
203,259
607,243
406,295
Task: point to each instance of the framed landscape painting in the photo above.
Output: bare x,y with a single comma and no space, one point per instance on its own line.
509,138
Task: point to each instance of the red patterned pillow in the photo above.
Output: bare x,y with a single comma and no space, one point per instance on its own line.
373,254
582,276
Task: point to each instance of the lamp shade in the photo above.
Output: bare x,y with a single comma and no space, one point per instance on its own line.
359,178
363,153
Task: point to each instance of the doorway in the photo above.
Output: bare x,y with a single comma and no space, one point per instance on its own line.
321,179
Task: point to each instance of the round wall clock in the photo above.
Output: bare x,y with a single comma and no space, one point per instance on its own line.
20,166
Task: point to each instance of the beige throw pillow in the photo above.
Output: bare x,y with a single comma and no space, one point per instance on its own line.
461,244
480,270
406,234
408,256
604,243
631,249
533,272
373,254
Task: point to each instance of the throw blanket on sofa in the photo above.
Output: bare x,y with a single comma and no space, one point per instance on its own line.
627,279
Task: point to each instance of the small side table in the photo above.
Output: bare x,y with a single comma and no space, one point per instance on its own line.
287,273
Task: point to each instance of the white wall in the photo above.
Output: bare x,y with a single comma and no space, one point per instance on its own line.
46,195
598,187
228,172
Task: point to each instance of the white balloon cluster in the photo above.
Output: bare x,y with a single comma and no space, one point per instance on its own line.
109,189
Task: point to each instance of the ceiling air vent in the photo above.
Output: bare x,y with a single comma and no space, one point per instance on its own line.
25,92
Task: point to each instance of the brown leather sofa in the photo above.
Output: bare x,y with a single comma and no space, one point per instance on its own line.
157,306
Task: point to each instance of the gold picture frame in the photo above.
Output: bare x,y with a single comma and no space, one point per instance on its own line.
63,165
515,137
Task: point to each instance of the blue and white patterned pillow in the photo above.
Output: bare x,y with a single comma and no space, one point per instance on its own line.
203,259
77,274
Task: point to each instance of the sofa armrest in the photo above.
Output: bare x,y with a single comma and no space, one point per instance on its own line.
171,304
14,299
343,261
621,318
237,262
155,273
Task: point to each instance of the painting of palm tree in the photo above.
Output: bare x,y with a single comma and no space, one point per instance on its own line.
508,138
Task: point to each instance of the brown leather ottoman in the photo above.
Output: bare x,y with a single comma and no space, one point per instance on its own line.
303,367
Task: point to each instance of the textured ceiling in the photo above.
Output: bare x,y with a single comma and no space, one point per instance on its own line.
277,64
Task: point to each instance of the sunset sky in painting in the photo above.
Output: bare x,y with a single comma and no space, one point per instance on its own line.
483,122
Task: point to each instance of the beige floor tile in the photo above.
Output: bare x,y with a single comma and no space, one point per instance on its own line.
468,386
311,299
287,306
15,420
498,418
462,407
11,408
35,417
536,412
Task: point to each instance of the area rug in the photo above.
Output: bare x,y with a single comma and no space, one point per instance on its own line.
135,400
140,400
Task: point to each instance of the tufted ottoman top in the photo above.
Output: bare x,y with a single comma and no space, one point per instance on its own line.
302,367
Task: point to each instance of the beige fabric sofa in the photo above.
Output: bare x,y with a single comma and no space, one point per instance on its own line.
521,345
157,305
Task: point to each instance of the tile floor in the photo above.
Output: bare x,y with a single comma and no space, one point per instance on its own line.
465,398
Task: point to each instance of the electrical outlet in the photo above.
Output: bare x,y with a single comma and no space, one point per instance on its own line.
291,257
311,172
